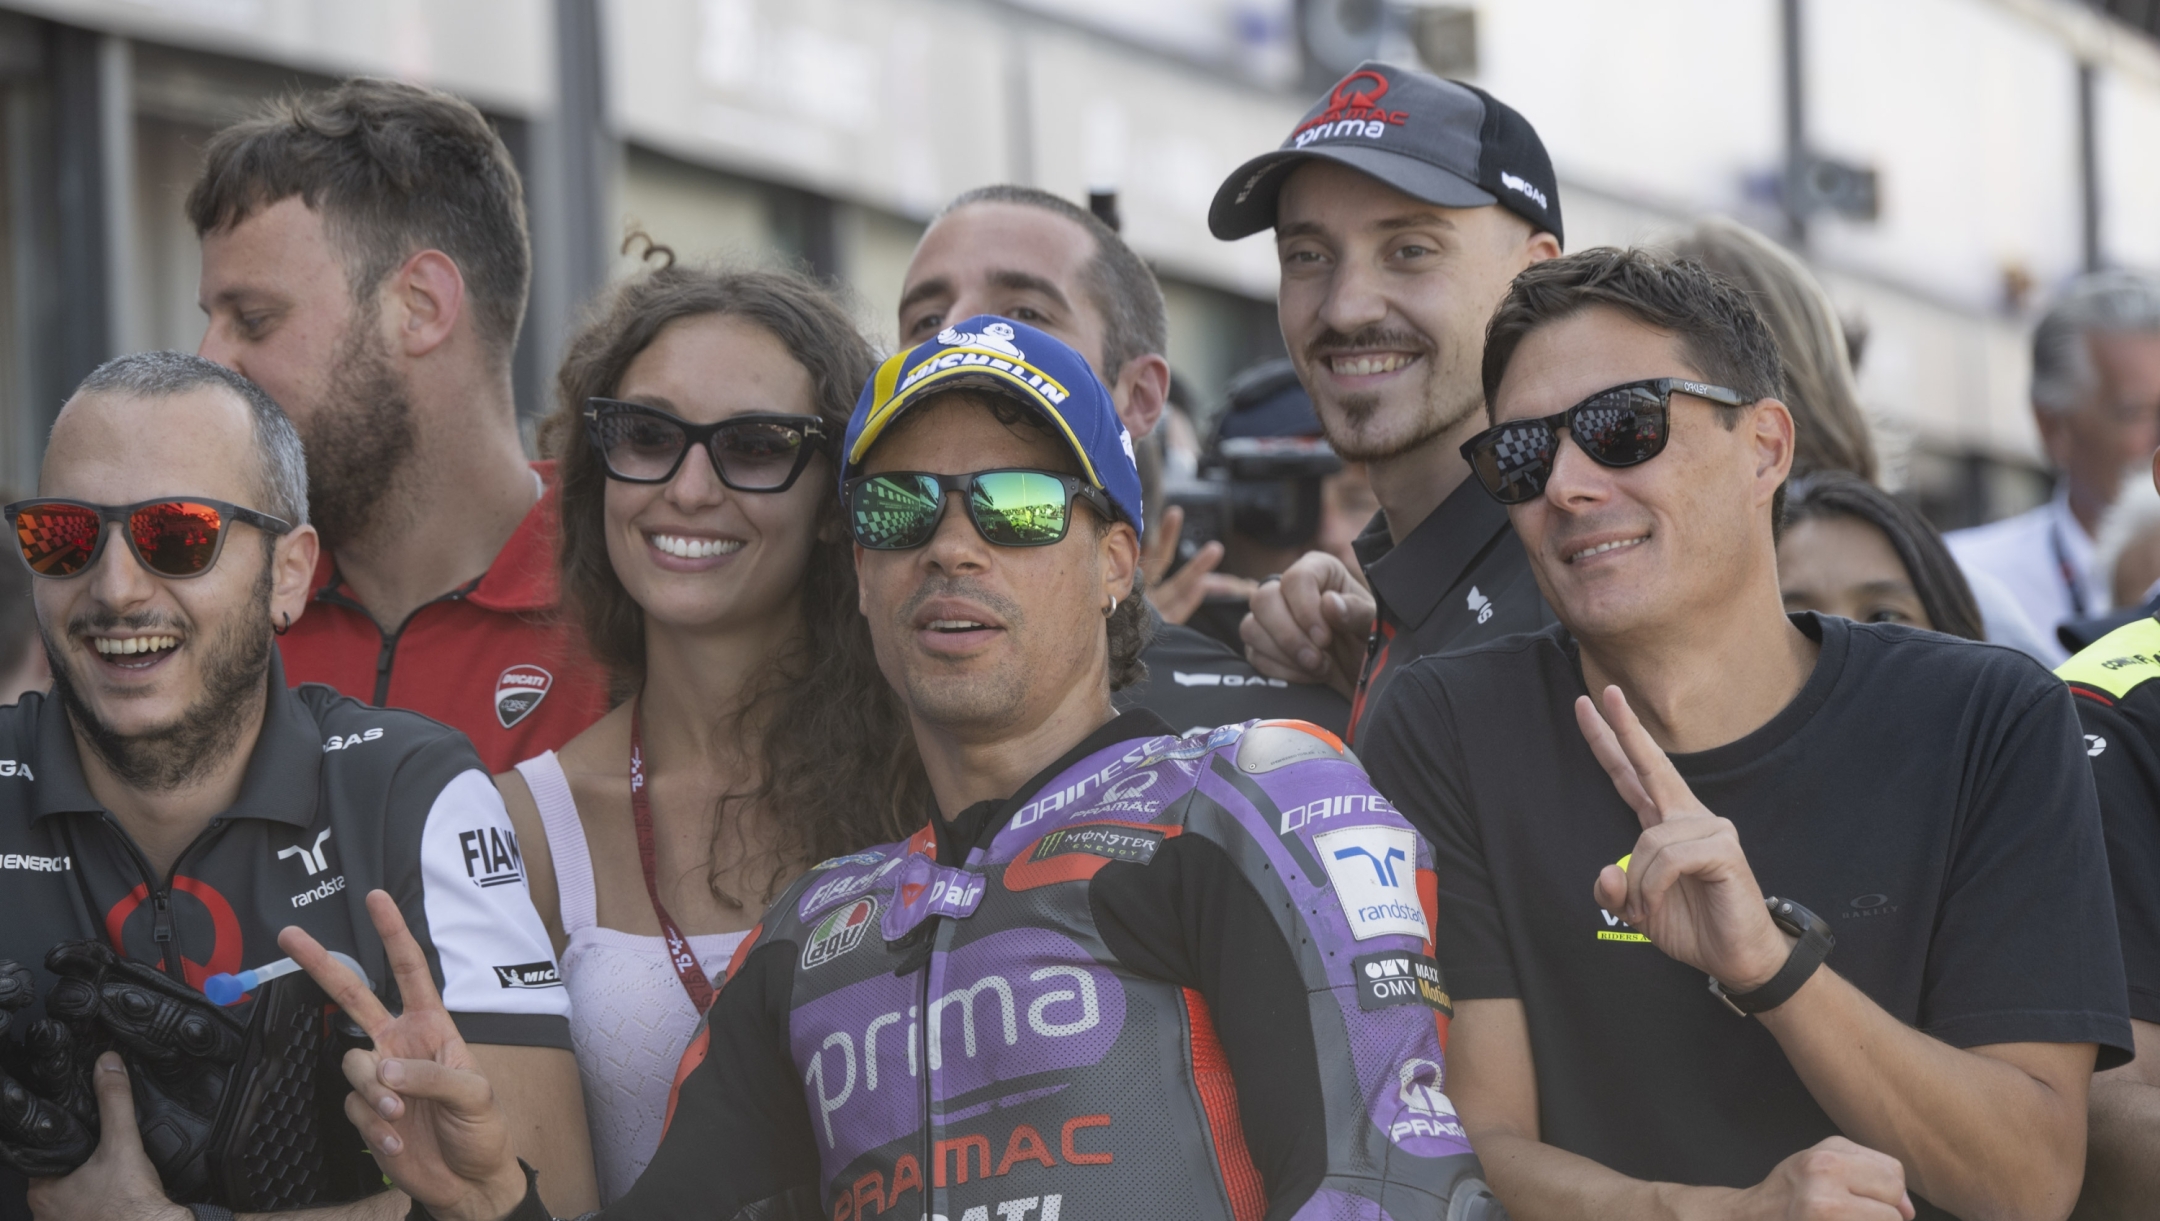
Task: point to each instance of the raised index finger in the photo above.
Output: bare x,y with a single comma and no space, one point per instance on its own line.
408,963
347,989
1660,779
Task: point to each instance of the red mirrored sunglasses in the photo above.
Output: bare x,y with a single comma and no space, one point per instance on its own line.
173,538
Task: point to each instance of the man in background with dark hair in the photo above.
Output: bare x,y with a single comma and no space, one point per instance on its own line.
1653,822
173,804
1031,256
365,261
1402,205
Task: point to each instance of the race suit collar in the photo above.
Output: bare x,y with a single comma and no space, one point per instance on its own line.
974,826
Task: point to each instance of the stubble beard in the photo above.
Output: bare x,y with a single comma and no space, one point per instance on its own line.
359,439
235,670
952,702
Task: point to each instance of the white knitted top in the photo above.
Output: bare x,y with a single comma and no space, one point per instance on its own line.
629,1016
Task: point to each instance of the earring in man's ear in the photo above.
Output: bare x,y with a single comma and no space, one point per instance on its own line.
285,625
1113,607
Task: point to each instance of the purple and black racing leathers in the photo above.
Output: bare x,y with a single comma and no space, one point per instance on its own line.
1172,977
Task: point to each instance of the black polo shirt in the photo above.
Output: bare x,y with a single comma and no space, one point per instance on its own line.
1460,578
338,799
1194,682
1927,796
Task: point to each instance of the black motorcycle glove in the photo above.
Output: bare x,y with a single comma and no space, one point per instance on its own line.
48,1107
180,1050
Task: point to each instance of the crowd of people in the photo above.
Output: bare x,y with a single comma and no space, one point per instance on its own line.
820,786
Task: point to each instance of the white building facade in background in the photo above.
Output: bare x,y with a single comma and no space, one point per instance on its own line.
2012,142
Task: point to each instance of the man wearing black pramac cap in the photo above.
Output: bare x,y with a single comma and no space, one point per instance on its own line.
1402,206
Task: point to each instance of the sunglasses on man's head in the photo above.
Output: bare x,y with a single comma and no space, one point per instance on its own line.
1623,425
173,538
760,452
897,510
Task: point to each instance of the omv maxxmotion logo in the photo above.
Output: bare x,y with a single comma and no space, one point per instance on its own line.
1374,872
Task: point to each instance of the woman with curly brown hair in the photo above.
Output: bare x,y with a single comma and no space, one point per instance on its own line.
703,550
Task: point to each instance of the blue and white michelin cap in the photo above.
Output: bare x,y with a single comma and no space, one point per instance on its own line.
1023,364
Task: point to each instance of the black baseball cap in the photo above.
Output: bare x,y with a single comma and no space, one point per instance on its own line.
1437,140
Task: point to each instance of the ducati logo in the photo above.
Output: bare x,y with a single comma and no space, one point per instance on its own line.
519,690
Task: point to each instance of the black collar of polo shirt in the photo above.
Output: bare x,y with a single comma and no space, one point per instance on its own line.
1412,576
279,785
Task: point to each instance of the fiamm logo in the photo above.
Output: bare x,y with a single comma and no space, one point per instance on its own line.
491,856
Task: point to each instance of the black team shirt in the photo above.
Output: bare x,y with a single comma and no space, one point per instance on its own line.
1459,578
1928,797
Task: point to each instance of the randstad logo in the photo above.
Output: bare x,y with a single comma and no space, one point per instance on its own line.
1353,112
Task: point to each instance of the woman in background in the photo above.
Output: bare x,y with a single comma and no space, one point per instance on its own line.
1830,431
1853,550
702,547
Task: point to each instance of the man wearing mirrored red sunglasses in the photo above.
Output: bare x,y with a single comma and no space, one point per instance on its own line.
1746,914
174,804
1120,973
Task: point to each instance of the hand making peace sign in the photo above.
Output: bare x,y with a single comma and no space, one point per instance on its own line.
418,1099
1688,886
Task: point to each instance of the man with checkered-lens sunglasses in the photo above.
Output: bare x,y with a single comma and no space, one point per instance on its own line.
1745,913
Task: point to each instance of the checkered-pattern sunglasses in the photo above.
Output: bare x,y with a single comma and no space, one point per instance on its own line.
1622,425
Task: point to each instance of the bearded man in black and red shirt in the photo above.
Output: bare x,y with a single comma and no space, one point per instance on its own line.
173,804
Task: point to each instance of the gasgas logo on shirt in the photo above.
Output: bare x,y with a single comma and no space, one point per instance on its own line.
491,857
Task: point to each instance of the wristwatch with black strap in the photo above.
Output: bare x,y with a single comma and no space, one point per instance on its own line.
1816,942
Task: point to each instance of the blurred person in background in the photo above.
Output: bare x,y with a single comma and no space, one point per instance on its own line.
2096,399
2127,548
1024,254
1853,550
1402,206
1830,429
22,658
175,803
364,259
1277,491
2119,704
703,552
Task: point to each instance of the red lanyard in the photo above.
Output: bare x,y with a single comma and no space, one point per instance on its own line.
680,955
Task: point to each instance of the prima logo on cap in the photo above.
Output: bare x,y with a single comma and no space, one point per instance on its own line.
519,690
1512,183
1353,110
998,337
